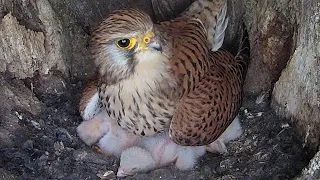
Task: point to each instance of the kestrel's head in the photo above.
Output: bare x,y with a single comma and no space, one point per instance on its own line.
119,42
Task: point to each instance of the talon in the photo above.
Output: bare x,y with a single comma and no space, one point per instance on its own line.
208,148
99,150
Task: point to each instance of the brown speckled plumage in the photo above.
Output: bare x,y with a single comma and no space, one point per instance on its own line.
185,87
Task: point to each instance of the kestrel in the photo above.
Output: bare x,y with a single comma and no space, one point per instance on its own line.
158,76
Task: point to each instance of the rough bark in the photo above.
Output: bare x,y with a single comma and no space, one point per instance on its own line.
22,50
31,39
296,94
15,96
285,38
313,169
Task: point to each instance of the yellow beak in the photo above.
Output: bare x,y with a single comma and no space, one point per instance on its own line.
148,42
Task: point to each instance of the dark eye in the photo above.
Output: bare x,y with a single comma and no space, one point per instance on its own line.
124,43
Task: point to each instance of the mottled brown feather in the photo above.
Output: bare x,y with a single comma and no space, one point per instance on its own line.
203,114
90,89
208,12
189,60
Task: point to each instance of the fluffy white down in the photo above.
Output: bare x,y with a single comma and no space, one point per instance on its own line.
117,140
160,151
104,131
233,131
135,159
90,131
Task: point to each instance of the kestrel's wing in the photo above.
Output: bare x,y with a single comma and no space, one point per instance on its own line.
210,106
212,13
89,104
194,34
200,28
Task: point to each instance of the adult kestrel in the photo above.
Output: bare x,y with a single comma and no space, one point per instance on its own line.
154,77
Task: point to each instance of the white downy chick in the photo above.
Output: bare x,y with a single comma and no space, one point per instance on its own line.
163,150
233,131
188,156
135,159
98,127
90,131
158,151
110,137
117,140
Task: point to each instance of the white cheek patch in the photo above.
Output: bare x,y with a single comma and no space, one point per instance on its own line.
148,56
117,55
151,62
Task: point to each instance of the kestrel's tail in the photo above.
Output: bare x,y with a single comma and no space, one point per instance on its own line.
212,13
243,55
